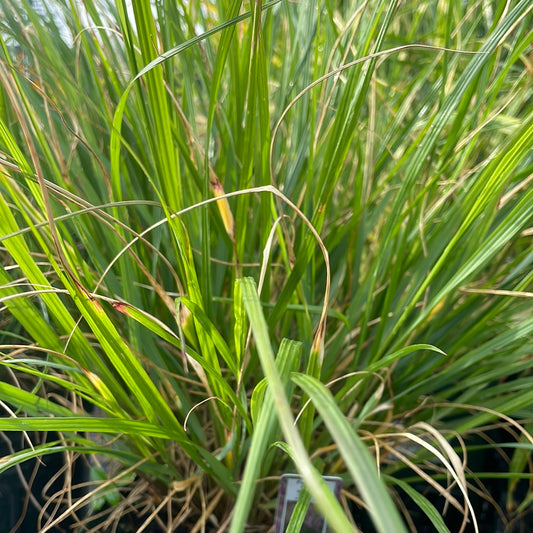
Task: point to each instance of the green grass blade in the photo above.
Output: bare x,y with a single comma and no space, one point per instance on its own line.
264,434
325,501
355,454
425,505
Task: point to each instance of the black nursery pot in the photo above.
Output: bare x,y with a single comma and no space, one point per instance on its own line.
22,489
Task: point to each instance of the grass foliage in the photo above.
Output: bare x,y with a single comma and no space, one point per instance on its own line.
186,185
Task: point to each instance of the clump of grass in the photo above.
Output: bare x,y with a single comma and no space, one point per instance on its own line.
367,164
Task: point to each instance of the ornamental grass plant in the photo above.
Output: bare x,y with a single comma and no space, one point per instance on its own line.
243,239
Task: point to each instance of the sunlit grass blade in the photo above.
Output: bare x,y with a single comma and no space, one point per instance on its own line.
355,454
31,403
264,434
325,501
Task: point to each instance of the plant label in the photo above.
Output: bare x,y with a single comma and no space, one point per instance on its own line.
289,492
